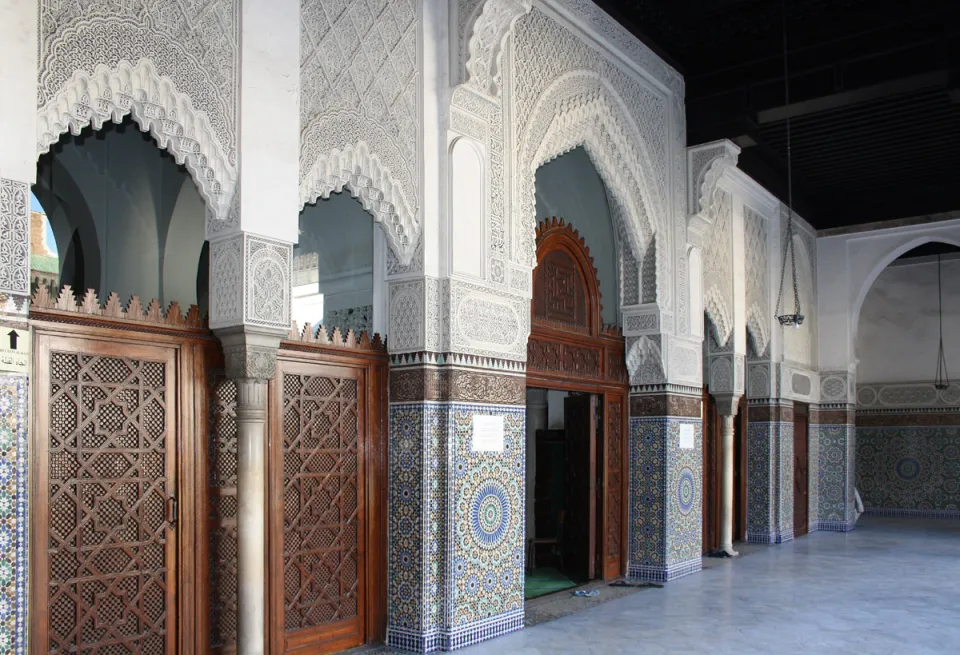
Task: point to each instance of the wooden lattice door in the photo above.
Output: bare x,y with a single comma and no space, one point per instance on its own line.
104,563
319,564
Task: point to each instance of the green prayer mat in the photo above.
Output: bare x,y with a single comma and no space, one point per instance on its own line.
545,580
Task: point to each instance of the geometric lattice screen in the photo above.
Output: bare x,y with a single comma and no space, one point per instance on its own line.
110,467
222,482
322,496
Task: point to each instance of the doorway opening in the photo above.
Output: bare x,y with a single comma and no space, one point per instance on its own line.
562,526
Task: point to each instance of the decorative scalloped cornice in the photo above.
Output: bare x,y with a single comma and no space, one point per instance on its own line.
154,102
485,44
112,310
360,171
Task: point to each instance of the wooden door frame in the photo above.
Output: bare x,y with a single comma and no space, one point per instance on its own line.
189,347
372,366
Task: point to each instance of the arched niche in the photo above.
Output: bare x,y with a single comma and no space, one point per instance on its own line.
339,267
899,323
570,186
128,211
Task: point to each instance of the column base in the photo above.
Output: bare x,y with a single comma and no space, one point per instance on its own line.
785,536
459,637
664,574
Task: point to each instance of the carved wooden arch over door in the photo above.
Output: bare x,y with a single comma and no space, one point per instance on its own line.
570,349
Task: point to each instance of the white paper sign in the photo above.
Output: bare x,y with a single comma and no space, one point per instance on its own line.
14,349
686,436
487,434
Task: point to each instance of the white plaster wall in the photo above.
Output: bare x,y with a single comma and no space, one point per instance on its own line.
848,264
147,215
899,328
569,187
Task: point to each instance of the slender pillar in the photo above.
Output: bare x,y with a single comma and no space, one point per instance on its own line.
252,507
726,505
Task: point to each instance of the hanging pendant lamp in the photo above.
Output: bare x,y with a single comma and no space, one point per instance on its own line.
796,318
941,380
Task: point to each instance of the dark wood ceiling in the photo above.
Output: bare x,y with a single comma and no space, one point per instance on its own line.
874,96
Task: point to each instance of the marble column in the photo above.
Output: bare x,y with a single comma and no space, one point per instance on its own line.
251,515
250,355
727,406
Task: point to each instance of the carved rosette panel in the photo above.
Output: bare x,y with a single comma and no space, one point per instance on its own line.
109,472
322,497
222,482
560,295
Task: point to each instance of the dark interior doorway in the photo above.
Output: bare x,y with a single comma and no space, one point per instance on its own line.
562,546
801,469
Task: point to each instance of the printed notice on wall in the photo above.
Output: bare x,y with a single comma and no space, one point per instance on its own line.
487,434
14,349
686,436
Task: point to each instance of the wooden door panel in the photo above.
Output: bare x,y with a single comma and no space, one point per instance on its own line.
319,564
104,566
613,488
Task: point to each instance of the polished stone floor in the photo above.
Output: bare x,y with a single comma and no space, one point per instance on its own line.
890,587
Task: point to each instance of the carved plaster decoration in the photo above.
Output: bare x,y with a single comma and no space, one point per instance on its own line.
685,361
364,176
721,320
485,43
566,93
797,383
906,395
157,106
759,319
360,110
250,353
194,45
758,385
645,364
838,387
722,374
707,164
250,282
407,316
14,237
757,327
488,323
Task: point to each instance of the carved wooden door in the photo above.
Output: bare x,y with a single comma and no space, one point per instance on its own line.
801,473
579,537
612,488
712,443
104,568
319,564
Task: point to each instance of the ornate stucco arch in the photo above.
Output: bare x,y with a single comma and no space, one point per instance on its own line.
369,178
158,107
757,323
580,109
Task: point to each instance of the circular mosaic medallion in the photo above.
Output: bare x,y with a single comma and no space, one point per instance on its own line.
490,514
908,468
686,492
